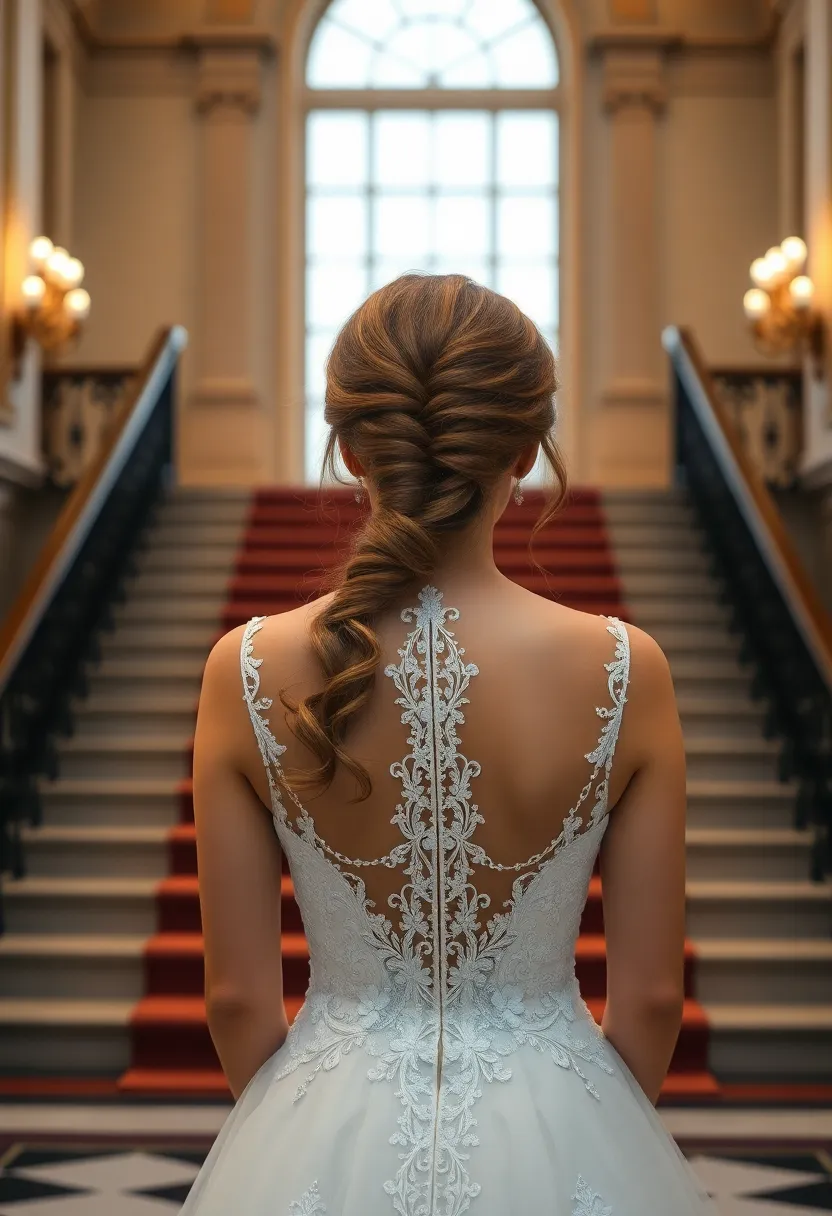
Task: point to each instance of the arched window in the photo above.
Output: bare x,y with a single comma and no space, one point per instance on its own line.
431,144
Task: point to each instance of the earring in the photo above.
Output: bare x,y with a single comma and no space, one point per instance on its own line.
359,491
518,491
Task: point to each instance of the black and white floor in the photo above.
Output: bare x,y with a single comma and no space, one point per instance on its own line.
65,1160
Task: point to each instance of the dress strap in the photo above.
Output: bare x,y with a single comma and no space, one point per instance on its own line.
618,670
270,749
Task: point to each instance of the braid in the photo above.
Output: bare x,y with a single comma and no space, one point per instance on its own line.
436,384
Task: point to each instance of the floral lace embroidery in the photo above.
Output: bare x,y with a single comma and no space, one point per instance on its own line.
587,1202
309,1204
437,998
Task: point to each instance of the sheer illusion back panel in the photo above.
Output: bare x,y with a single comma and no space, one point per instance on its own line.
511,730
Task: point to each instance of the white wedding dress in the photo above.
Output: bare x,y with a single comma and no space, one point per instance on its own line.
443,1061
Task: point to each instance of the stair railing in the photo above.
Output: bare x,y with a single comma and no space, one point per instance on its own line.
786,631
51,632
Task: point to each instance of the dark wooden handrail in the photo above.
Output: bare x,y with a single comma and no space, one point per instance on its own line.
86,500
754,501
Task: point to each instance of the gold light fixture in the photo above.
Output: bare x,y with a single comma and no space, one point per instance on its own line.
780,304
55,305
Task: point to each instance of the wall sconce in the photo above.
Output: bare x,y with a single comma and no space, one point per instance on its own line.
55,304
779,306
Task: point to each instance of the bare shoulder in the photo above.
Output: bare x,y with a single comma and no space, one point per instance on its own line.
278,636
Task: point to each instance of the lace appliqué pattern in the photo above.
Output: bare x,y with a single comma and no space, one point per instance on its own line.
309,1204
587,1202
441,996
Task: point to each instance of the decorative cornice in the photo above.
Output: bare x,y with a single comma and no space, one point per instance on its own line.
634,79
230,68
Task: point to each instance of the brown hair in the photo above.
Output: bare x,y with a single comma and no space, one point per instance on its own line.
437,384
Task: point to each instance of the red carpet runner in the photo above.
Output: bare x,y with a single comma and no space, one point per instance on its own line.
287,537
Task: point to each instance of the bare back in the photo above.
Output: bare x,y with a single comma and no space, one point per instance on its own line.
535,677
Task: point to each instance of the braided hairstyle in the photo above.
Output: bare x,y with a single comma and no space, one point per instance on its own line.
437,384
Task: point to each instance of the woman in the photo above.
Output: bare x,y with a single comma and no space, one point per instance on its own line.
464,749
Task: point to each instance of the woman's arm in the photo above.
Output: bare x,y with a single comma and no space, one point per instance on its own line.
643,876
239,862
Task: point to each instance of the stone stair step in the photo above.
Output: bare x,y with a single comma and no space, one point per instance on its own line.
192,535
710,678
765,970
156,757
161,636
655,613
635,559
729,716
129,715
680,642
664,516
202,584
186,609
63,966
715,758
81,905
49,1037
771,1042
115,674
732,908
740,854
75,802
97,851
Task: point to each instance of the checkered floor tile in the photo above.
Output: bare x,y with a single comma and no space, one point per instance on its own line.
44,1180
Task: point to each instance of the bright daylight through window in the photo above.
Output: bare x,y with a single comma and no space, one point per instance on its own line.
453,167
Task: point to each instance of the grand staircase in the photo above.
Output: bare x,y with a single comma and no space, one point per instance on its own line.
101,965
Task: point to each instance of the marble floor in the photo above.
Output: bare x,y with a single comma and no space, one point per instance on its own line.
66,1159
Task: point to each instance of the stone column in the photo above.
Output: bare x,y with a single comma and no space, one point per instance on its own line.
633,437
225,423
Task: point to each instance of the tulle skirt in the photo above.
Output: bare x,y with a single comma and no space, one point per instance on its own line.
539,1142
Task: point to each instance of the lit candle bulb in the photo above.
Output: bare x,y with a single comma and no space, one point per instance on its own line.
40,251
802,290
756,303
777,264
73,272
77,303
56,265
794,251
761,272
34,289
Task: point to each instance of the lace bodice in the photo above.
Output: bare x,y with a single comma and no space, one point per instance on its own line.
440,988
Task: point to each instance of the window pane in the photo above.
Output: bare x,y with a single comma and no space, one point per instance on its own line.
433,8
336,150
401,148
527,148
526,226
336,225
392,72
374,18
333,291
525,59
532,287
476,268
402,226
470,72
489,19
338,58
462,149
318,346
387,269
462,225
411,45
450,43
